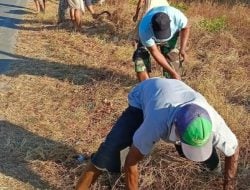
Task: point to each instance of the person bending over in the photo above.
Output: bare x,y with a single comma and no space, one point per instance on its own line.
170,110
159,31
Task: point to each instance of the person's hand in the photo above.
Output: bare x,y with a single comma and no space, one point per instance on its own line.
175,75
183,55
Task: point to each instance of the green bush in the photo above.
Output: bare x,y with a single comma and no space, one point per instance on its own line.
181,6
213,25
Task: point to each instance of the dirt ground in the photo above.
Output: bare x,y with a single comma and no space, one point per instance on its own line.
66,89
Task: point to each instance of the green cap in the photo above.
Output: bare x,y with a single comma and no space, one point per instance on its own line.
194,126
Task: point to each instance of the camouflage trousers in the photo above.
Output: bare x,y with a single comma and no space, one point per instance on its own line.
142,60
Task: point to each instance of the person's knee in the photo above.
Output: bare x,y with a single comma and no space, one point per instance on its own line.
141,76
106,160
141,59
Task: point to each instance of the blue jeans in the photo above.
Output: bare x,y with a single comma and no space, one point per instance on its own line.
121,136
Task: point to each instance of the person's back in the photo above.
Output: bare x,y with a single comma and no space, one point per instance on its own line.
163,99
162,92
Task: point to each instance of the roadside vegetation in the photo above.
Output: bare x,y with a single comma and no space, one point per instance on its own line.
65,90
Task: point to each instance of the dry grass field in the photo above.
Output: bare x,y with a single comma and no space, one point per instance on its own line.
65,90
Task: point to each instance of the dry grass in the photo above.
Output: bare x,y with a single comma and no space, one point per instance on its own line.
65,90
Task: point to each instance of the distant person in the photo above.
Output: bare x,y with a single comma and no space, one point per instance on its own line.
62,8
90,7
170,110
76,10
40,5
159,30
144,6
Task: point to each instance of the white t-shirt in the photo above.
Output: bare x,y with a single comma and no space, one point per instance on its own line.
159,100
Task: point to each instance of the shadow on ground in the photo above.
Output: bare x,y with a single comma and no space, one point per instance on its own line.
13,6
20,147
14,23
103,29
76,74
20,12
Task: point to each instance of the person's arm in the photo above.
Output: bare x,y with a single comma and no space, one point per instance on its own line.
231,164
88,177
139,5
184,35
131,168
91,10
226,141
161,60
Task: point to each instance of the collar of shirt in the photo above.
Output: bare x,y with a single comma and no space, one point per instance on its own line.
160,42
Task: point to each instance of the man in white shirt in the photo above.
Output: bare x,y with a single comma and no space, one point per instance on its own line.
170,110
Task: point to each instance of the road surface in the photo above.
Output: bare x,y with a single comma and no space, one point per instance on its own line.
11,12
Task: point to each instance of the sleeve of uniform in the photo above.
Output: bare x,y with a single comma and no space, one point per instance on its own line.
148,43
224,139
146,39
146,136
145,33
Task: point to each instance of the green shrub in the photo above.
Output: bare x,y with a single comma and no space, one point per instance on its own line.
213,25
181,6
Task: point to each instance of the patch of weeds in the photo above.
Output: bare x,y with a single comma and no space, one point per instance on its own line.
181,6
133,2
213,25
90,106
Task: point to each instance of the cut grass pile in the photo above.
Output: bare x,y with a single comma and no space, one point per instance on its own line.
65,90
